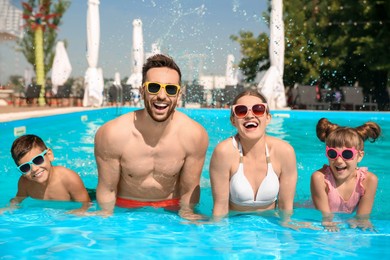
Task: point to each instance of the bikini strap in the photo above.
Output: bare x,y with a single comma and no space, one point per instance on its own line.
267,158
238,145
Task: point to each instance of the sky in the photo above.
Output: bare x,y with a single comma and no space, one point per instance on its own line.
196,33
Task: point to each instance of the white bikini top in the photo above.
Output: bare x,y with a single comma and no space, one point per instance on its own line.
241,192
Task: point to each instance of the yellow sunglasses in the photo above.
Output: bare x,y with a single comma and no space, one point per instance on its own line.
155,87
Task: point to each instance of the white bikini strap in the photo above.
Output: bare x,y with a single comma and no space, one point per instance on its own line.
268,159
235,144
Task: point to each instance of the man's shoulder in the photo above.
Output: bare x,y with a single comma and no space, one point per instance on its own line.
187,122
116,125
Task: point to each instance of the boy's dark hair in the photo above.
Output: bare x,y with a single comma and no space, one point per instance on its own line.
159,61
25,143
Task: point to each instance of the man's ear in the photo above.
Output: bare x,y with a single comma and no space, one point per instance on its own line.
141,92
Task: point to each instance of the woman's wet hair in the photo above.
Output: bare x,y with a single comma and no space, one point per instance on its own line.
24,144
159,61
335,135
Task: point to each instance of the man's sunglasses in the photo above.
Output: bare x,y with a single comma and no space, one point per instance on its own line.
155,87
346,154
37,160
241,111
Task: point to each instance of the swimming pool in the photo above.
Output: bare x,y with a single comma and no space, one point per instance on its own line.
41,229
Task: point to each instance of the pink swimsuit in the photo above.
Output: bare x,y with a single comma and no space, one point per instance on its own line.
336,202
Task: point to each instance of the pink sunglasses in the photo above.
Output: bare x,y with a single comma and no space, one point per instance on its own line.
346,154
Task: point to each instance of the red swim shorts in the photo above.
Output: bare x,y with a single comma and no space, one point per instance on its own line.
171,204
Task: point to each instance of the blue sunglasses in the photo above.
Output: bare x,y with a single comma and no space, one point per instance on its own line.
37,160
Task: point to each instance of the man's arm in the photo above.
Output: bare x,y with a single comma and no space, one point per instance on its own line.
191,171
108,165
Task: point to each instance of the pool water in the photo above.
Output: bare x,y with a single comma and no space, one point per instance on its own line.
43,229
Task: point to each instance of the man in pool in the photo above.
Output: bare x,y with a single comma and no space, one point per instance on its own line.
153,156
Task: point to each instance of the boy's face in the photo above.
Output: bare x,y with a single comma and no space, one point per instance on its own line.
38,173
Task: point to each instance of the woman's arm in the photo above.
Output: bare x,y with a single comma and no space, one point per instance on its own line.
220,165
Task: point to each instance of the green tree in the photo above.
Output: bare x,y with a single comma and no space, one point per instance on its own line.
340,41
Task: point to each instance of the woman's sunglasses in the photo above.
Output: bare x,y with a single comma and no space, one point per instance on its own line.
155,87
241,111
346,154
37,160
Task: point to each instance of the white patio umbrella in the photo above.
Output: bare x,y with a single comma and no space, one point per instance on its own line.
135,79
28,75
271,85
117,79
231,74
93,95
61,67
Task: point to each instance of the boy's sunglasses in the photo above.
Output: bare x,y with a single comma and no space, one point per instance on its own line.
241,111
346,154
155,87
37,160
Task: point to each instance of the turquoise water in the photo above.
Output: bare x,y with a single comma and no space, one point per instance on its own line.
41,229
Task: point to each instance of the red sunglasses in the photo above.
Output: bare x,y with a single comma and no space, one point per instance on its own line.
346,154
241,111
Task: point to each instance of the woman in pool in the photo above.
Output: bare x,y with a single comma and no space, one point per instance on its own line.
252,171
342,186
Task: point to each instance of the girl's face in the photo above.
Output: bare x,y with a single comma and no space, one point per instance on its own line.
252,125
343,167
38,173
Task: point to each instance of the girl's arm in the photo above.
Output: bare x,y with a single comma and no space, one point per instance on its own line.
320,200
362,219
367,200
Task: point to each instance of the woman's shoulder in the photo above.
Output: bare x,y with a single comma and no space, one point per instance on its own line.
225,146
279,145
271,140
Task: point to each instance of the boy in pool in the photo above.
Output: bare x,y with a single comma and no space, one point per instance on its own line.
342,186
40,179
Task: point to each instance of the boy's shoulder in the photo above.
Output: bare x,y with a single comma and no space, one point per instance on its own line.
63,173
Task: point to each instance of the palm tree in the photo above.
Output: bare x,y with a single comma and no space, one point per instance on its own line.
42,19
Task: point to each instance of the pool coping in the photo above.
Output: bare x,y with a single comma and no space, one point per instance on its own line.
20,115
13,116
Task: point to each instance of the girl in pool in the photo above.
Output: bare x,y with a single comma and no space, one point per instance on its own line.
342,186
252,171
